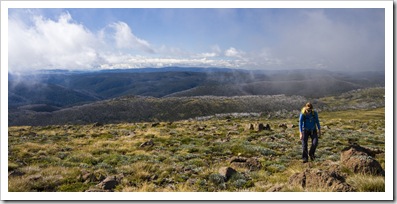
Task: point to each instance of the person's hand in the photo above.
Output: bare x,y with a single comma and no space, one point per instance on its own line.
300,135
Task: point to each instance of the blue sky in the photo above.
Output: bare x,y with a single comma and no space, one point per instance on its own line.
332,39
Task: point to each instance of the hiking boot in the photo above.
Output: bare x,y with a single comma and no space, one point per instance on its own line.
312,157
305,161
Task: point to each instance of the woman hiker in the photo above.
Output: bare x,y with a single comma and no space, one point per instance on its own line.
308,120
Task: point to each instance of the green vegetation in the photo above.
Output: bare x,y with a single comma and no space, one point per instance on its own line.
186,155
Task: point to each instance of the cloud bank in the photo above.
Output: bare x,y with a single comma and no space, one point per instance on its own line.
311,38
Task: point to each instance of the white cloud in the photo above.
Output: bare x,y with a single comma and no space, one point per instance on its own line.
126,39
40,43
134,61
233,52
308,38
50,44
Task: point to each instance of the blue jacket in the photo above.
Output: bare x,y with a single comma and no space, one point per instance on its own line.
308,121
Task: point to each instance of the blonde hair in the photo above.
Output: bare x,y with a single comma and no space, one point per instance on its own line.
308,107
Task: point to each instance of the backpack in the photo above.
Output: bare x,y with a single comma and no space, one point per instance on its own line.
304,113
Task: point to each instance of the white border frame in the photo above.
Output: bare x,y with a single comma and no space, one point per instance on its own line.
388,195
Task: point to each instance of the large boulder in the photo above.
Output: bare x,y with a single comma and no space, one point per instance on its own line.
319,179
361,160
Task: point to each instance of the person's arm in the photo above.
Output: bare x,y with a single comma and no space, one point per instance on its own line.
318,125
301,126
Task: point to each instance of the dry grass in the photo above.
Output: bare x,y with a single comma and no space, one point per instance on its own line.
186,155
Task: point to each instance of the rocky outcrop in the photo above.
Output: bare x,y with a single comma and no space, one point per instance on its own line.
361,160
319,179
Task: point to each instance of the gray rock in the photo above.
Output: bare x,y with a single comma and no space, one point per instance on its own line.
109,183
227,172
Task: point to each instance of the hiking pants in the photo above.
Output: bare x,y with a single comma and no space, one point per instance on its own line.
313,135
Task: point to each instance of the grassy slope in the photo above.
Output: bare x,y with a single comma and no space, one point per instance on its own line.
186,155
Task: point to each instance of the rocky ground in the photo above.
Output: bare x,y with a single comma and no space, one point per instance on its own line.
226,153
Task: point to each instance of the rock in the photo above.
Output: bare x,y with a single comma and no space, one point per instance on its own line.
88,177
227,172
318,179
261,127
97,124
16,173
250,127
109,183
232,133
291,126
242,162
282,125
147,143
361,160
201,128
238,159
155,124
275,188
94,189
253,164
35,178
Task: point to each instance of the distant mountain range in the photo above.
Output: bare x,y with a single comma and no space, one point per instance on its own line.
52,91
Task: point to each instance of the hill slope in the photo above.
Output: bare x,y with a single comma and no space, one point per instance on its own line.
64,88
137,108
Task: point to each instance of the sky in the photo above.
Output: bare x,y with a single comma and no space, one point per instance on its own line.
265,38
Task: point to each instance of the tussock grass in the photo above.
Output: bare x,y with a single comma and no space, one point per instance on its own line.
186,155
367,183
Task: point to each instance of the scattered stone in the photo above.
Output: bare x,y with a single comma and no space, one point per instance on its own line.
96,189
326,127
109,183
238,159
31,134
317,179
147,143
201,128
291,126
232,133
155,124
227,172
282,125
276,188
253,164
242,162
261,127
97,124
34,178
16,173
87,177
250,127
